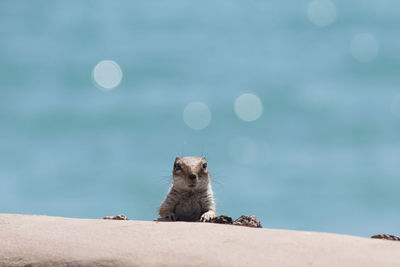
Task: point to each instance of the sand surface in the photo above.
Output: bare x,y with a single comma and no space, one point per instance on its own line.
49,241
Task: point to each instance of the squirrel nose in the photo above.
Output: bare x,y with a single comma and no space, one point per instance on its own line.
192,176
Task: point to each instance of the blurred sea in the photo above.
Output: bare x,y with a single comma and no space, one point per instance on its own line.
323,156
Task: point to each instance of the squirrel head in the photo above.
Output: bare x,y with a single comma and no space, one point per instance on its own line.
191,173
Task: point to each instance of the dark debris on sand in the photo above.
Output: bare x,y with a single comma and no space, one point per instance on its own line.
116,217
249,221
386,237
223,219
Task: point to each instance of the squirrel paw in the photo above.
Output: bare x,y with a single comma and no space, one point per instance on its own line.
171,217
207,216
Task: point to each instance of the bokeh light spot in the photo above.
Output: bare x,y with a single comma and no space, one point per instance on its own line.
364,47
321,12
107,74
248,107
197,115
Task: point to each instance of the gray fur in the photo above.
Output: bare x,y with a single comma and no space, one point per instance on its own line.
189,199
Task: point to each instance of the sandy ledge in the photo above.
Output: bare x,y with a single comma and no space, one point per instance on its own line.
49,241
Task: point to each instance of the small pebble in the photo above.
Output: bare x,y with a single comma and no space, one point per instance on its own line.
386,237
249,221
223,219
116,217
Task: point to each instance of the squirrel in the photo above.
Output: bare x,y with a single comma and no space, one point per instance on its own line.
190,198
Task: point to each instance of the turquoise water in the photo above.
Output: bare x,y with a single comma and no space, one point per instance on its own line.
323,156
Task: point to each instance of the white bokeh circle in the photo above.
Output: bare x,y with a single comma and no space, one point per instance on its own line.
248,107
364,47
197,115
107,74
321,12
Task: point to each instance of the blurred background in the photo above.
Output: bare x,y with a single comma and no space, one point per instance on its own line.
295,105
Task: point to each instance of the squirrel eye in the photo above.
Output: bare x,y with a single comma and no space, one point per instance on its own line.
204,165
178,167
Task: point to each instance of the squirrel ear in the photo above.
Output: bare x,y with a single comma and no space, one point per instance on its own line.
204,157
177,158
